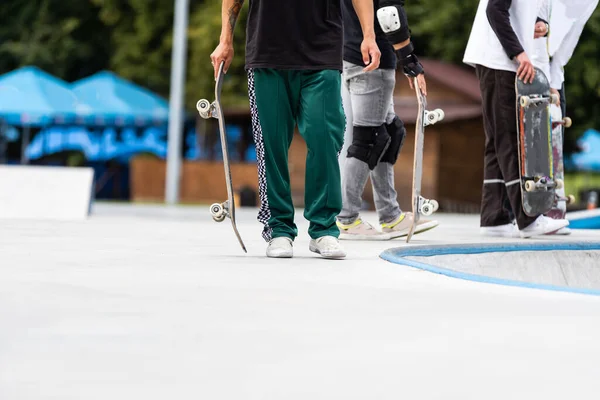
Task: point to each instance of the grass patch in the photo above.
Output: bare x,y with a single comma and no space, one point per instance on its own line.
576,182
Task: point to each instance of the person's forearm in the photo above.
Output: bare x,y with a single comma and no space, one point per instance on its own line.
402,45
366,15
499,19
230,11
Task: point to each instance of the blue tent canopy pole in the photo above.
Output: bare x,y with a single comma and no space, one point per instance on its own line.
24,143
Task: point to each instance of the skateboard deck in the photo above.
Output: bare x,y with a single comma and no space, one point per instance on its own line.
559,124
208,110
536,165
421,205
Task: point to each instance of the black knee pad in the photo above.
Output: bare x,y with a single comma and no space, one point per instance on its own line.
397,132
369,144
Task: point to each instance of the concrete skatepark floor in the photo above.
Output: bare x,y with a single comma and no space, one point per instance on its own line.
154,302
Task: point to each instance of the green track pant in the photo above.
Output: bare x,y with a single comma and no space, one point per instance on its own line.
280,99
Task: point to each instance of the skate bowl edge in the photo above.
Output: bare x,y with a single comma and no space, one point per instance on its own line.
563,267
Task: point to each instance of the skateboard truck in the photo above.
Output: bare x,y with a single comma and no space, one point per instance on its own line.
542,183
526,101
206,109
566,122
427,206
433,117
219,211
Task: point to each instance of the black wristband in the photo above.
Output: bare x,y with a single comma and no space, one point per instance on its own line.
409,61
405,51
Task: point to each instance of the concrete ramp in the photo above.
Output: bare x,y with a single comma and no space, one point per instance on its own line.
569,267
40,192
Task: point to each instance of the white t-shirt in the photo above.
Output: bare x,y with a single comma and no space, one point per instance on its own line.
567,20
541,57
485,49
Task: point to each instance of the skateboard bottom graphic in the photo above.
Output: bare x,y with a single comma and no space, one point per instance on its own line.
538,184
559,124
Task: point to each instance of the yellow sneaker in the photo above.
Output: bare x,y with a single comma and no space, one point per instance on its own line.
361,230
402,224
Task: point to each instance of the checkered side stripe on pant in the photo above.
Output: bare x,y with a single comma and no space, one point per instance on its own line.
264,214
343,131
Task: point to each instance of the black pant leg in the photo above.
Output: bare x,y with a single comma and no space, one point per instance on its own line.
507,150
563,100
494,197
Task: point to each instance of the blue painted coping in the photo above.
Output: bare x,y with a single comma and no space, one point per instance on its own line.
585,223
398,256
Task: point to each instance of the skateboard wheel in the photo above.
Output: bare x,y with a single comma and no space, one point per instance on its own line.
568,122
530,186
525,101
570,199
441,114
203,107
427,209
435,205
560,184
432,117
554,99
217,211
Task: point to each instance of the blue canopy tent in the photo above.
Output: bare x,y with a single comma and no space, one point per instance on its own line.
589,158
116,101
30,97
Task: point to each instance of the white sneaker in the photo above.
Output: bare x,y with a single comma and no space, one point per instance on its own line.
543,225
280,247
328,247
562,232
509,230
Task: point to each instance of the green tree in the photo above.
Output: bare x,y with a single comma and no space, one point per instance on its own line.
204,33
441,29
582,83
141,34
64,38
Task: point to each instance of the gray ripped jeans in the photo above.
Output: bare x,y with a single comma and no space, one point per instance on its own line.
368,101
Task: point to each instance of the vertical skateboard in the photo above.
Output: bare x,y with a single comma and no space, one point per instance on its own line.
536,165
558,125
208,110
421,205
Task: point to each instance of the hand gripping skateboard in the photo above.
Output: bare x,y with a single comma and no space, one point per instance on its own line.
559,123
537,181
208,110
421,205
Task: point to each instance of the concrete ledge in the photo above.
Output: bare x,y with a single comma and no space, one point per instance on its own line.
459,261
62,193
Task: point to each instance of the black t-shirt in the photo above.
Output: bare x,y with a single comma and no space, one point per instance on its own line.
294,34
353,38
